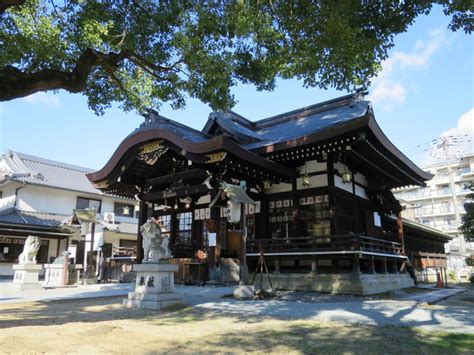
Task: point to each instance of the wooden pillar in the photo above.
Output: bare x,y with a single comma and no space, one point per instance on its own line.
372,264
314,267
263,232
356,264
384,265
58,247
445,276
244,272
142,218
400,231
331,193
277,266
214,251
396,266
354,197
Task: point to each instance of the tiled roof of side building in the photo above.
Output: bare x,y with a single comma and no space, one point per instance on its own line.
39,171
39,219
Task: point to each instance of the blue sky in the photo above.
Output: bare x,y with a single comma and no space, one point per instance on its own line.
424,90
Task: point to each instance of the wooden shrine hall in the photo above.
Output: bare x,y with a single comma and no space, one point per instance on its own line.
319,180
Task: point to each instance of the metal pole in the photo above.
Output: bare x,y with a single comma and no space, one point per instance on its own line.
91,269
244,274
452,186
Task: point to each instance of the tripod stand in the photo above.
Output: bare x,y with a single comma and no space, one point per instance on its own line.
262,265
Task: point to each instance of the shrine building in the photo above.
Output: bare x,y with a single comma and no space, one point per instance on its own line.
315,185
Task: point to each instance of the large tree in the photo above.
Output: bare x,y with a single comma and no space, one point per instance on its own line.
142,52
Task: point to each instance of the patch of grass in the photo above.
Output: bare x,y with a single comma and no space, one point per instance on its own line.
452,342
116,329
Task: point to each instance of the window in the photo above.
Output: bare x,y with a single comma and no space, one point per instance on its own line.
11,248
123,209
165,224
315,213
205,235
280,219
83,203
444,190
184,228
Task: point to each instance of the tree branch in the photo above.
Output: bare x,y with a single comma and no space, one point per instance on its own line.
15,83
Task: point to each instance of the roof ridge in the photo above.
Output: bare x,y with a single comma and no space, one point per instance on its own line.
25,156
39,212
158,117
316,108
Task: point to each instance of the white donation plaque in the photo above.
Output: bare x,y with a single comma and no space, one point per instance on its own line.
212,239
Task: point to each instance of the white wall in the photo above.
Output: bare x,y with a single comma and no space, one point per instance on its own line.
9,189
46,199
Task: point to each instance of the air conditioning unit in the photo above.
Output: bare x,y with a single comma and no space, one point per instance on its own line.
109,217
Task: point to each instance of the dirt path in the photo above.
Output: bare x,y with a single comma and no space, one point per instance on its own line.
103,326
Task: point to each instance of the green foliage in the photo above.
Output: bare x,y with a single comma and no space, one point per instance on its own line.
452,275
143,53
467,225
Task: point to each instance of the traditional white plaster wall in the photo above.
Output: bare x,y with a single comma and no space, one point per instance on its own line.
315,181
312,166
360,191
339,184
45,199
9,189
361,179
282,187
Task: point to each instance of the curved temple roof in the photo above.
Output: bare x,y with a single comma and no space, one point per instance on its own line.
252,141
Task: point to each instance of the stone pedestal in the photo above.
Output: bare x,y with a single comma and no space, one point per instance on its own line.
26,276
154,287
55,275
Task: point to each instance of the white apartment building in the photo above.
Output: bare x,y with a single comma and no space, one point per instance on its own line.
441,204
37,197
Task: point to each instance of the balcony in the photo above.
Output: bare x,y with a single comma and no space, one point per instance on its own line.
330,245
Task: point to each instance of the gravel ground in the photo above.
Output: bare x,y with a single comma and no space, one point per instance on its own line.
342,310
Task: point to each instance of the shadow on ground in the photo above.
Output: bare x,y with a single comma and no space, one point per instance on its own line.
223,325
313,338
376,313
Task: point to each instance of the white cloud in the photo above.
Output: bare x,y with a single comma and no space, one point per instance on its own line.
42,98
386,88
461,137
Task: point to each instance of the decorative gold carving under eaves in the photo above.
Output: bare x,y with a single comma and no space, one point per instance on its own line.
151,152
215,157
